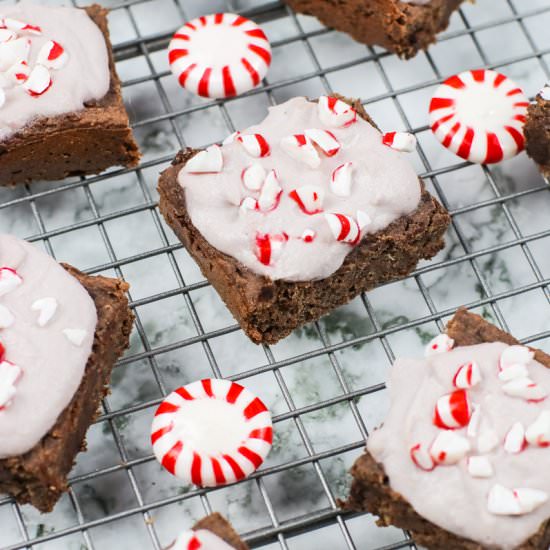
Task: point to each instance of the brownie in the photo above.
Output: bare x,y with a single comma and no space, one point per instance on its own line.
269,310
74,144
39,477
371,491
537,133
218,525
400,27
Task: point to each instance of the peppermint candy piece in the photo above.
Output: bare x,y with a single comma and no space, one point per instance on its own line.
309,198
18,73
514,441
20,26
515,355
75,336
219,55
254,176
254,144
201,539
308,236
422,457
514,502
453,411
46,308
479,116
209,161
211,432
545,93
325,140
301,148
9,376
341,180
480,466
344,228
6,35
270,195
538,433
52,55
248,204
400,141
513,372
440,344
526,389
467,376
335,112
9,280
6,317
14,51
38,82
449,448
270,247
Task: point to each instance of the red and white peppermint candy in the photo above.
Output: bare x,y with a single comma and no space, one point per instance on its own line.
342,179
422,458
301,148
449,448
526,389
52,55
325,140
253,176
14,51
479,116
400,141
6,317
9,280
513,372
270,247
335,112
219,55
9,376
38,82
20,26
515,355
271,192
248,204
209,161
514,502
467,376
202,539
308,236
6,35
538,433
46,308
344,228
18,73
440,344
514,441
480,466
211,432
254,144
309,198
453,411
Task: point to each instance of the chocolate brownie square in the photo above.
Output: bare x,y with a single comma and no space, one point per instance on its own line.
38,145
401,27
537,131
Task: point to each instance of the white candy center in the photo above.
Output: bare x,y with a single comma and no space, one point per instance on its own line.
218,45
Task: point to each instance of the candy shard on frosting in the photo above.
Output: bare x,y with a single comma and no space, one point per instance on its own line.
325,140
75,336
9,280
52,55
514,502
335,112
46,308
480,466
538,433
524,388
440,344
449,448
201,539
309,198
9,375
204,162
515,442
301,148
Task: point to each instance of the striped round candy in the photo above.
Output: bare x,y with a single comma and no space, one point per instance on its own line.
211,432
219,55
479,116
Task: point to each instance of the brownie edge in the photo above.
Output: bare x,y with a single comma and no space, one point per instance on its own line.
39,477
269,310
537,134
371,491
218,525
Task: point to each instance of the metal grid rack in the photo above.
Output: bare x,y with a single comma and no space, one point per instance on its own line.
468,257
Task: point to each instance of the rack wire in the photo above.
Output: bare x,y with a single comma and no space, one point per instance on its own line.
495,262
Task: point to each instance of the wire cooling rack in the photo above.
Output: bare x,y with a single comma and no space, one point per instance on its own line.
325,383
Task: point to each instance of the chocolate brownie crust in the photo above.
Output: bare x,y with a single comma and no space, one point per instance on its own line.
218,525
397,26
74,144
269,310
39,477
537,134
371,491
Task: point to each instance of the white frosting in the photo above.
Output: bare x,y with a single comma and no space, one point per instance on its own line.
467,499
83,78
384,187
52,366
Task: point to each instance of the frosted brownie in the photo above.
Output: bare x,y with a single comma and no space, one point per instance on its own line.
459,459
537,131
213,532
301,213
403,27
61,108
60,334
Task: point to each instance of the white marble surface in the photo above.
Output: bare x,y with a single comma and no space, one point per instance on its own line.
167,322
